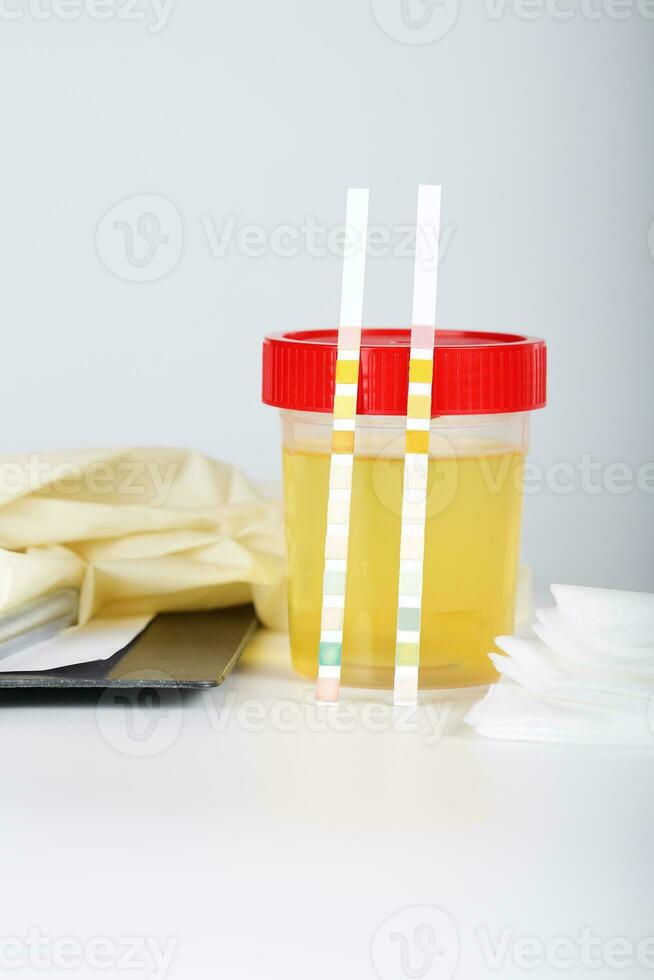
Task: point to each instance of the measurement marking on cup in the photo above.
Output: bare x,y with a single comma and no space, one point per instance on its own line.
416,455
342,459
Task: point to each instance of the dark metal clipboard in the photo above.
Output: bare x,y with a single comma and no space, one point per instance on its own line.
177,650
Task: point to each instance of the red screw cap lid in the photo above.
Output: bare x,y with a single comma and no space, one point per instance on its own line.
474,373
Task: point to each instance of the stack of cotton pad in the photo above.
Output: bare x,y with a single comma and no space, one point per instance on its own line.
587,678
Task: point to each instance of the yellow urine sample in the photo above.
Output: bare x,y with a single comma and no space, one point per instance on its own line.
470,564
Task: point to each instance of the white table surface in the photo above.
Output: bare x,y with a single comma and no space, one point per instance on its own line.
224,827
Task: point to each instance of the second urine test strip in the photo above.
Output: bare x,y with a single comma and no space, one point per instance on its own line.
416,457
342,457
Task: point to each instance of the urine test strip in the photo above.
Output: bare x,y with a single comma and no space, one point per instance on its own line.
342,457
416,455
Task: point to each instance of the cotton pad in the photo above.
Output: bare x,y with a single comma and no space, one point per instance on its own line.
628,616
591,648
512,713
586,677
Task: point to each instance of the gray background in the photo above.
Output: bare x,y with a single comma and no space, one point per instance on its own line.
540,131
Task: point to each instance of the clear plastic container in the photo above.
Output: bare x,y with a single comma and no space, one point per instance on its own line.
472,541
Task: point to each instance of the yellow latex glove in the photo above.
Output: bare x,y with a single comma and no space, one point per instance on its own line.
138,531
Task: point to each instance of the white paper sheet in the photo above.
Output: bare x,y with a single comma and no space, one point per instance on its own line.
98,639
